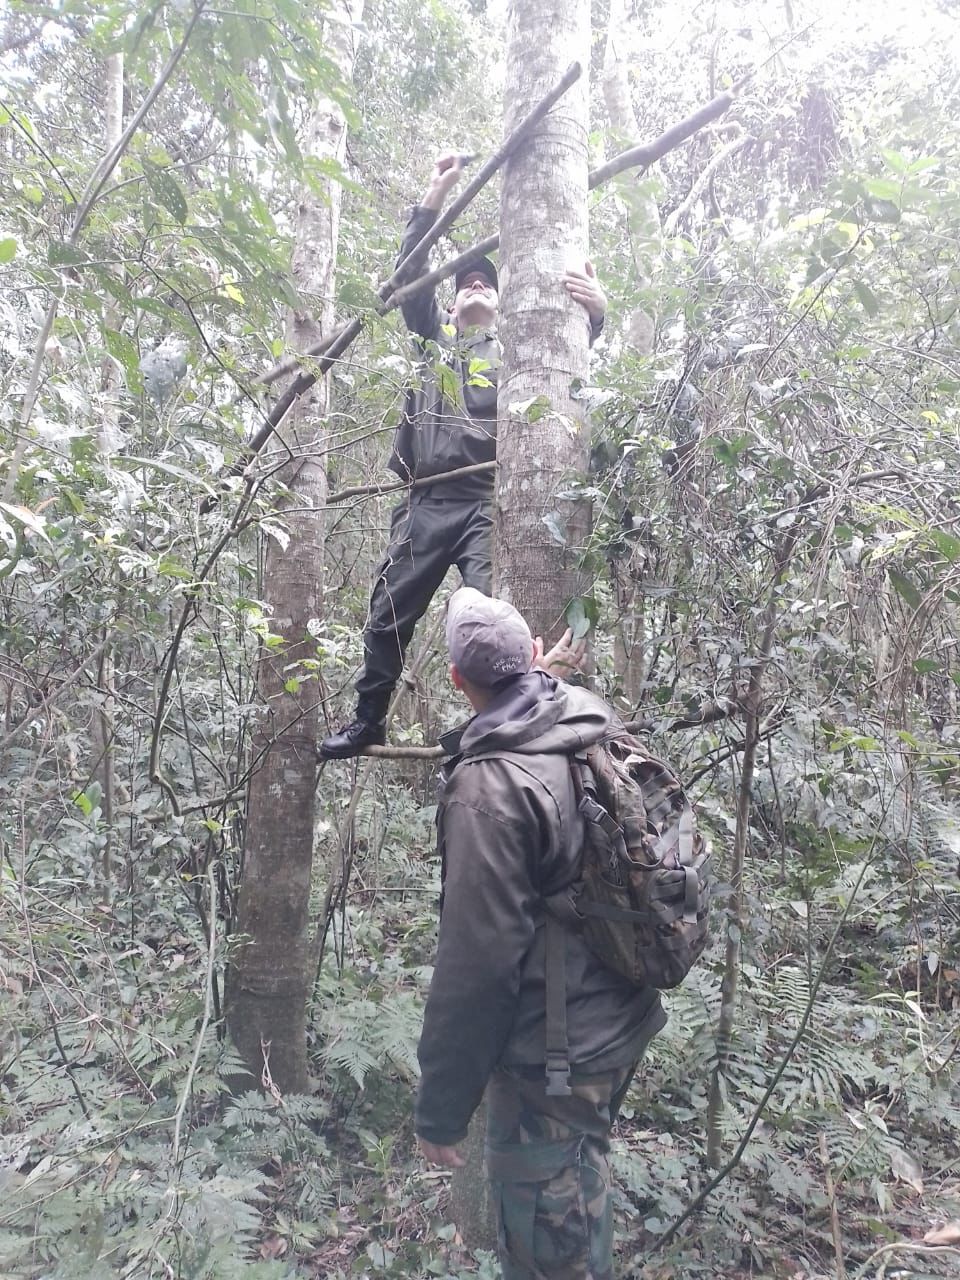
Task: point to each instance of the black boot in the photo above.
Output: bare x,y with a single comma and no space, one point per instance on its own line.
369,729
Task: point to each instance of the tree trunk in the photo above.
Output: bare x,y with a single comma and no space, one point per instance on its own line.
273,971
642,225
616,84
543,229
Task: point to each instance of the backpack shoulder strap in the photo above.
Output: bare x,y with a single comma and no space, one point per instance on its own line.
555,977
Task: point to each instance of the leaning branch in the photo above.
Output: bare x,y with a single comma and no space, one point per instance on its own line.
396,290
337,343
389,291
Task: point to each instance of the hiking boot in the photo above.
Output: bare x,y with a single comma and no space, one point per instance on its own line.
352,738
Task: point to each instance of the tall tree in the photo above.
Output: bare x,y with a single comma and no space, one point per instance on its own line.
543,231
271,977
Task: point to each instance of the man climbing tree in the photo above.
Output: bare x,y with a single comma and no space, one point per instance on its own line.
449,422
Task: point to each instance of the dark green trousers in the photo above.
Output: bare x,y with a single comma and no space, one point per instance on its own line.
547,1161
427,535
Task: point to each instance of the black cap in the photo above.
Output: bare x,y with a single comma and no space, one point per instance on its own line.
486,269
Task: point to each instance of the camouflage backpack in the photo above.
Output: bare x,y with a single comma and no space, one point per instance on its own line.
643,895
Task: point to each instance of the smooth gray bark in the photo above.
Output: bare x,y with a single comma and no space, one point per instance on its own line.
273,971
545,335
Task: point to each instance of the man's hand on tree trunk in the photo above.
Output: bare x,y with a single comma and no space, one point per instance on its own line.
447,1157
585,288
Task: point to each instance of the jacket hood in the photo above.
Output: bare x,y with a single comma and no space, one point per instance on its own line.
536,714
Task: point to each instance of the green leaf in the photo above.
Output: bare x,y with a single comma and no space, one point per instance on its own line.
533,409
8,249
167,191
449,384
29,519
87,801
947,544
884,189
83,804
169,469
124,351
923,666
724,452
581,614
292,684
905,588
866,298
62,254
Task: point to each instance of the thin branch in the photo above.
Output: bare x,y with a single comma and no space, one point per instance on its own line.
682,209
649,153
112,158
236,525
437,752
208,990
360,490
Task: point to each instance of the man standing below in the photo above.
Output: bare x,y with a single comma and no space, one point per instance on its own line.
510,834
449,421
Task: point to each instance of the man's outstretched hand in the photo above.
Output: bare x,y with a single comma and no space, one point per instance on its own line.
447,1157
585,288
445,176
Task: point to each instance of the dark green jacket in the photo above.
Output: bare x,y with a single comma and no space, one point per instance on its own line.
449,417
509,834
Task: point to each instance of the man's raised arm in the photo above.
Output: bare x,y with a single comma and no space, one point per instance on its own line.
421,312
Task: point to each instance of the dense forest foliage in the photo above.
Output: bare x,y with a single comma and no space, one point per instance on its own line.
774,560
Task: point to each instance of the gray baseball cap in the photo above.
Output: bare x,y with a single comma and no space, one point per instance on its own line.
487,639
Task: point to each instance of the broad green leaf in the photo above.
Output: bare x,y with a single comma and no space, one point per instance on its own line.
168,468
905,588
167,191
124,351
884,189
533,409
82,802
947,544
895,160
581,614
62,254
8,249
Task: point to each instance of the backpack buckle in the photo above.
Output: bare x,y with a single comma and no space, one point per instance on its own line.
558,1076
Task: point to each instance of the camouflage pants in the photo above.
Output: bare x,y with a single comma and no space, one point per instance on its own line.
547,1161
